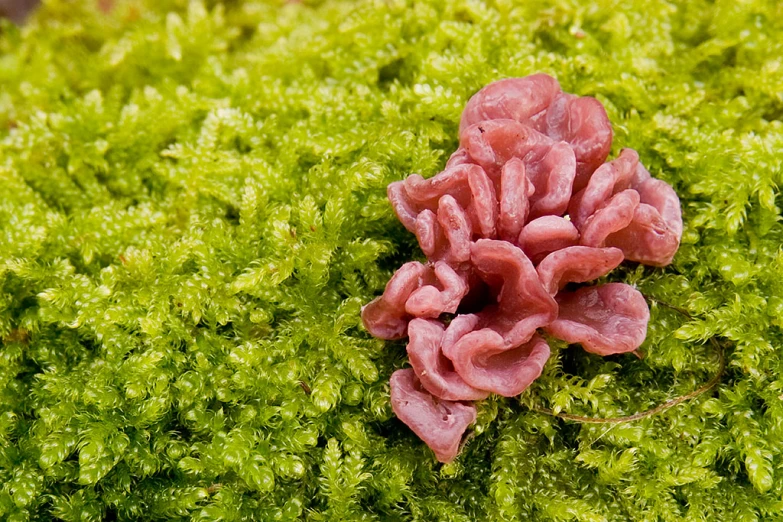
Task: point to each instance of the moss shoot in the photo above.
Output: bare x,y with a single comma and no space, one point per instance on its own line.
193,211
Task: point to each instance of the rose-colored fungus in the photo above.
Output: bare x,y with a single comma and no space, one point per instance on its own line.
577,264
605,319
538,102
439,423
518,303
416,290
647,230
654,234
613,216
549,165
483,359
467,184
524,207
515,191
609,179
434,370
545,235
520,99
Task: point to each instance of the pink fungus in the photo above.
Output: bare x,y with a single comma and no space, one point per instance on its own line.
604,319
525,206
550,165
577,264
416,290
439,423
545,235
484,360
434,370
520,304
538,102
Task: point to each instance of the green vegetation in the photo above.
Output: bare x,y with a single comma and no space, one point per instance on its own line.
193,211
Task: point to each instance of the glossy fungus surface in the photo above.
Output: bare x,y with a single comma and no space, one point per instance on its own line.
525,209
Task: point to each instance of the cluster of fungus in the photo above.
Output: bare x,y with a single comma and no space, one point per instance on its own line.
524,207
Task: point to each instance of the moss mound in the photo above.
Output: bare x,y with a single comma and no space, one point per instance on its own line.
193,211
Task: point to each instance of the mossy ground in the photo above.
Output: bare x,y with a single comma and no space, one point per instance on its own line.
193,211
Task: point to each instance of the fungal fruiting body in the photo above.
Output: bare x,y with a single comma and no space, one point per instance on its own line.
525,206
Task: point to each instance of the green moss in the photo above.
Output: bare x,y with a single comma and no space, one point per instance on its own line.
194,211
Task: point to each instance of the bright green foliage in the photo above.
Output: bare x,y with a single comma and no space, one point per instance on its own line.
193,212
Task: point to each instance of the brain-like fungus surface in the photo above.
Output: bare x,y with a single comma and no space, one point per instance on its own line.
527,205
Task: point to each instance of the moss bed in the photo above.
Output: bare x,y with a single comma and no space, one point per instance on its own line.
193,211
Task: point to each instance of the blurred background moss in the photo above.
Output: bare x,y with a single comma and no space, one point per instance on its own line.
17,10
